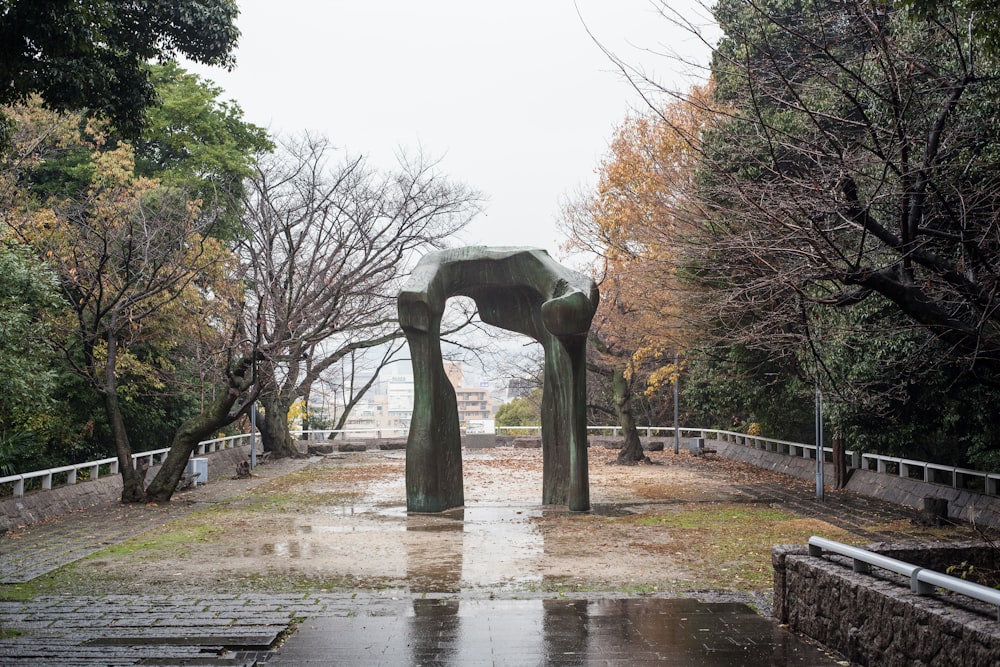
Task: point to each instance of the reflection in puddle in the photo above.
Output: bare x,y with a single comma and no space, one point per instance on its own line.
476,546
564,632
284,549
491,546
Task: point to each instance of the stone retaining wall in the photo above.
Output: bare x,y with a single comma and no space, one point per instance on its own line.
877,620
962,505
36,506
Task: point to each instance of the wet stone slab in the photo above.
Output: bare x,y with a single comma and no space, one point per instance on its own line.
139,630
558,632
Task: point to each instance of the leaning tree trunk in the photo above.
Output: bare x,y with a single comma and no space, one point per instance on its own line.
631,451
275,435
132,477
195,430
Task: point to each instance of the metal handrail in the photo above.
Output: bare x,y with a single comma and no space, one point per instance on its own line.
922,580
94,467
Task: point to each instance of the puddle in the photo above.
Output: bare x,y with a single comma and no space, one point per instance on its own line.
496,546
570,632
611,511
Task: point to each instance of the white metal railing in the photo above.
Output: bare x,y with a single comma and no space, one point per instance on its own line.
368,433
109,466
987,483
104,467
922,580
613,431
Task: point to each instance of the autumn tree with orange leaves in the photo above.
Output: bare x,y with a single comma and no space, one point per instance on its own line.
632,224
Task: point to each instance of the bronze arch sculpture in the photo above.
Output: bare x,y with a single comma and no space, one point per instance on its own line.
518,289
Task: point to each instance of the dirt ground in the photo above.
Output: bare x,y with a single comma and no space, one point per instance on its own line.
339,523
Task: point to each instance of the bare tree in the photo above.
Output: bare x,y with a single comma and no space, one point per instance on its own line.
327,245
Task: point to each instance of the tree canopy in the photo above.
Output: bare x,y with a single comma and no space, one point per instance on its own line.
328,244
95,54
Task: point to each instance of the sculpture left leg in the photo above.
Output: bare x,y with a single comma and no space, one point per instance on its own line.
434,446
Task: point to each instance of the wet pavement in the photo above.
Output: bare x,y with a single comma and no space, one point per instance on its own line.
331,629
551,632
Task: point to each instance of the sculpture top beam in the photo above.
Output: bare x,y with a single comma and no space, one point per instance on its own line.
502,281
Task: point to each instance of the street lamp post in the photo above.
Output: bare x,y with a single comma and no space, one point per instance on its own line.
820,455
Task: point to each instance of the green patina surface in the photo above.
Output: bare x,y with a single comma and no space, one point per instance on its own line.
518,289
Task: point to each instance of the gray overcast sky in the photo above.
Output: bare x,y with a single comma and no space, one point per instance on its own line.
514,97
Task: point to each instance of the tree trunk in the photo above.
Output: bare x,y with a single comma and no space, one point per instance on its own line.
306,414
275,435
195,430
839,462
631,451
132,477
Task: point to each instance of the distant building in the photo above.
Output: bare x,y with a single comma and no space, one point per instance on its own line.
453,370
474,403
519,388
388,406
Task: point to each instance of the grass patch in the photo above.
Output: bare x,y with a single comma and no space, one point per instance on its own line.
569,586
174,540
18,592
728,546
719,516
67,580
9,633
301,583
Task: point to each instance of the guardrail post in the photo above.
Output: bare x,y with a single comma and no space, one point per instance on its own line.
71,476
917,586
95,472
19,488
47,481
